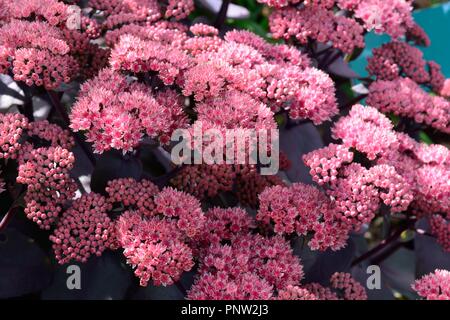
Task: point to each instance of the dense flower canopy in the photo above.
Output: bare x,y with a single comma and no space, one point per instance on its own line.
87,155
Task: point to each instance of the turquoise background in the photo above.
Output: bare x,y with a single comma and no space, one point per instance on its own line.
436,23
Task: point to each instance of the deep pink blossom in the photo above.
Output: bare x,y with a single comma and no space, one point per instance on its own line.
53,11
304,209
440,228
43,208
434,286
182,208
221,286
321,292
437,78
250,183
223,224
278,53
295,293
235,109
46,168
366,130
416,34
132,194
404,97
200,29
166,32
43,133
311,22
46,173
117,114
154,247
342,287
269,258
394,59
205,180
292,209
83,230
39,53
426,170
392,17
325,162
352,290
136,55
12,127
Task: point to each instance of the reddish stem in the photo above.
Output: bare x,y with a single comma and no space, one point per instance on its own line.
8,217
382,245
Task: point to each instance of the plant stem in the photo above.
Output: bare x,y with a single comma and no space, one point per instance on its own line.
222,14
8,217
28,101
382,245
63,113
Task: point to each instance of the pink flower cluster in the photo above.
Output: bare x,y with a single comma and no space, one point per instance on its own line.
440,228
117,114
132,194
182,208
302,209
42,152
205,180
395,59
210,180
235,107
38,45
12,127
224,224
434,286
43,133
405,98
318,20
212,70
154,247
83,230
366,130
317,23
120,12
53,11
295,293
39,54
221,286
417,35
49,185
250,183
426,168
326,162
342,287
268,261
155,229
392,17
356,191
